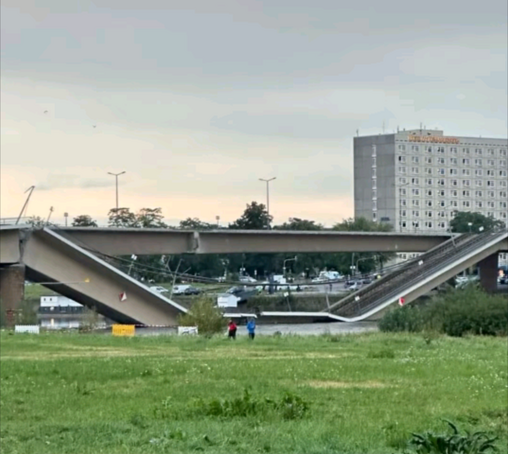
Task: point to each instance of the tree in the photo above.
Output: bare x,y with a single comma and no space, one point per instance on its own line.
255,217
462,220
299,224
83,220
150,218
122,217
195,224
36,222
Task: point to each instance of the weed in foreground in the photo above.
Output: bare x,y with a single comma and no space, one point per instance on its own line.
454,443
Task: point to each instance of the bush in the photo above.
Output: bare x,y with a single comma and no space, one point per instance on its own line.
206,316
456,312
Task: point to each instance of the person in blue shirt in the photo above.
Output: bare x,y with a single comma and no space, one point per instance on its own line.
251,328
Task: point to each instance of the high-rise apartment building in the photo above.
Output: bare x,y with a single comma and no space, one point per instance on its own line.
416,179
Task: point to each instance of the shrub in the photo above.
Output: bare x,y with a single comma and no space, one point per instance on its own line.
456,312
454,443
90,320
206,316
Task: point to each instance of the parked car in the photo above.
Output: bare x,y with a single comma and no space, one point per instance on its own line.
353,285
159,289
192,291
247,279
180,289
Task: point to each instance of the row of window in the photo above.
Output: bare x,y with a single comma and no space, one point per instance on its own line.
452,203
449,182
425,224
451,161
443,214
466,151
453,193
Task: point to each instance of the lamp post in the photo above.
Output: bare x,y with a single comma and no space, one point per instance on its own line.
470,224
268,195
66,215
293,259
116,175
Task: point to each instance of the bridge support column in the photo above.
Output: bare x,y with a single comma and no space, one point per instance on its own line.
487,269
12,288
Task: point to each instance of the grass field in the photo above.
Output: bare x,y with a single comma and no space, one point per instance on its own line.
71,393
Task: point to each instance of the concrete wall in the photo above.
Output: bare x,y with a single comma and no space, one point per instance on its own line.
12,286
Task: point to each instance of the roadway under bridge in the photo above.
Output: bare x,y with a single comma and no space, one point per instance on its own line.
64,260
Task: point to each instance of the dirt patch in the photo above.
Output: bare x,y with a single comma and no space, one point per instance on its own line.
346,384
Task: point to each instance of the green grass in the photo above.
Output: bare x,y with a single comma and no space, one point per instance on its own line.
70,393
35,291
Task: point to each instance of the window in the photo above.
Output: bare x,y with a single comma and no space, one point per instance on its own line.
502,204
402,170
490,152
428,160
415,170
442,204
429,181
403,224
490,173
416,224
442,193
478,172
440,150
466,183
442,182
453,161
441,161
491,183
402,147
502,163
415,191
465,151
429,203
415,181
403,213
429,149
504,214
416,203
502,194
479,182
453,150
403,202
466,172
428,171
429,193
416,214
490,214
479,204
415,159
466,204
503,183
428,214
478,151
478,193
466,193
491,204
374,205
491,194
402,191
502,173
442,225
441,214
502,152
454,193
402,181
466,161
478,162
455,182
454,203
442,172
374,216
374,161
415,148
491,162
402,159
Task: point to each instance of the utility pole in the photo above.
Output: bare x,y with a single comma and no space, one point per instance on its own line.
268,195
116,175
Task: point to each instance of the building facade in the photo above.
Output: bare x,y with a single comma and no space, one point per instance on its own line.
416,179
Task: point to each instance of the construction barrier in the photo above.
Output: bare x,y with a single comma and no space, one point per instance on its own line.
123,330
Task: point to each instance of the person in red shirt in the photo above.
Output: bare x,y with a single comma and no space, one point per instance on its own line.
232,330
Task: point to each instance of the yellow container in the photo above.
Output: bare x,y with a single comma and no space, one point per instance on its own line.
123,330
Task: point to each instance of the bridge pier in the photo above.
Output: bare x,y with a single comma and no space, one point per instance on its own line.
487,269
12,287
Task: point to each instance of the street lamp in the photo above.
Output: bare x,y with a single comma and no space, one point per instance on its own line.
470,224
116,175
217,218
66,215
293,259
268,195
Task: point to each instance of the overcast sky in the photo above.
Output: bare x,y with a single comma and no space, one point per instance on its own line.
198,99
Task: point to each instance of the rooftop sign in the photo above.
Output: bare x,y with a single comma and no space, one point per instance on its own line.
434,139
